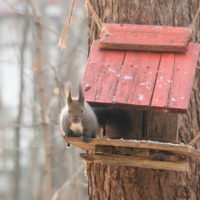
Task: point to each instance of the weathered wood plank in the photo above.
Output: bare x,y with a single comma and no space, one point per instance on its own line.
145,37
182,81
137,124
145,79
165,131
125,151
102,74
163,81
135,152
128,77
136,162
176,148
137,78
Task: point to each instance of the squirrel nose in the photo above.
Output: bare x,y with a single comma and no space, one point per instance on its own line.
76,119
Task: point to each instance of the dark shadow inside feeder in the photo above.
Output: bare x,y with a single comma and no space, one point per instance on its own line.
115,123
118,123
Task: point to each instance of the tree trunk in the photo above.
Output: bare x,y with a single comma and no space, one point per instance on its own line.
39,75
117,182
17,179
42,99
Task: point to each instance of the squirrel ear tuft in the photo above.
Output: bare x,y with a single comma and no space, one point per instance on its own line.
68,93
81,95
69,98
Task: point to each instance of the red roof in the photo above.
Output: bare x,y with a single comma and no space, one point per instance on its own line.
145,37
146,80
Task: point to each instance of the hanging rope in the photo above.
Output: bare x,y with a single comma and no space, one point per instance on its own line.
62,42
194,20
94,15
191,143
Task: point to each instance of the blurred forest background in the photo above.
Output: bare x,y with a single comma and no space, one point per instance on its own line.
35,163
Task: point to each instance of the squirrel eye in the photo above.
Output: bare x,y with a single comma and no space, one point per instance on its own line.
82,111
69,111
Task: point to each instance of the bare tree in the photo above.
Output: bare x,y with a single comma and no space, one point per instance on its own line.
17,181
42,98
36,162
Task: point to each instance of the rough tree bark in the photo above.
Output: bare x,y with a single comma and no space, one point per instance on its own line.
119,183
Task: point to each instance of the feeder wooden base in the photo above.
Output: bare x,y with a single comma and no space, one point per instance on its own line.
137,153
136,162
179,149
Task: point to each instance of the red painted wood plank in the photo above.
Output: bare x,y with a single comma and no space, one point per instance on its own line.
138,78
184,71
102,74
163,81
145,37
146,79
128,77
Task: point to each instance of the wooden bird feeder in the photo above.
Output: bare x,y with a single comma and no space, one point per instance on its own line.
146,68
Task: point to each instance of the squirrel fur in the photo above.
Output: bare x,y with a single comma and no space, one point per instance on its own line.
78,119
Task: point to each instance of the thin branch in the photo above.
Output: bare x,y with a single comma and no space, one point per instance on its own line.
31,147
17,174
35,20
58,81
15,126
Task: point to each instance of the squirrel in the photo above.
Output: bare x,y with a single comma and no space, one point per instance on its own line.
78,119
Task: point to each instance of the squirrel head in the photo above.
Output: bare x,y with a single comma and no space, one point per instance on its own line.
76,109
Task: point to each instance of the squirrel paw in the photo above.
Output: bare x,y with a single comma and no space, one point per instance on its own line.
86,138
70,134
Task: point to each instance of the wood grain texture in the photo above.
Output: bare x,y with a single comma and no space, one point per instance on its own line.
102,74
137,79
178,149
145,80
145,37
138,152
128,78
134,183
130,161
165,131
124,151
183,76
163,81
